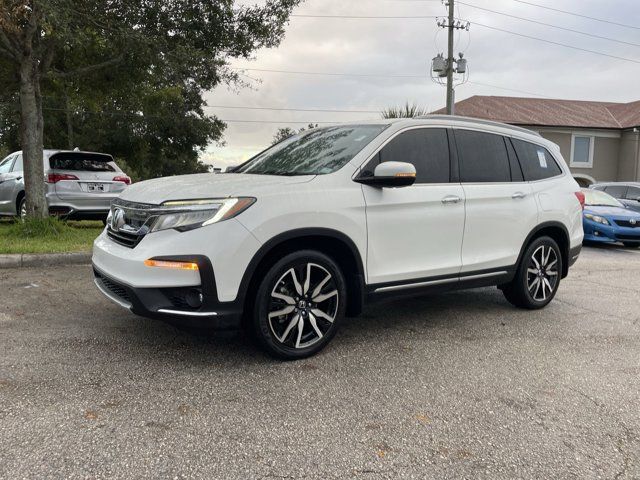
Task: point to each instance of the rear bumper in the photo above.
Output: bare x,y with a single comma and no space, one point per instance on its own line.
170,304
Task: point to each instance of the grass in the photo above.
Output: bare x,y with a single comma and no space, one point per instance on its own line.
47,235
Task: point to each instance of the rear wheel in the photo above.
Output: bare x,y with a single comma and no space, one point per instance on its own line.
631,244
300,303
538,276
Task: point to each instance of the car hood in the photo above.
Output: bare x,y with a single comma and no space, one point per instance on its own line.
611,212
206,185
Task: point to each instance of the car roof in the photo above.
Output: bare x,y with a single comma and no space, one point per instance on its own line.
48,152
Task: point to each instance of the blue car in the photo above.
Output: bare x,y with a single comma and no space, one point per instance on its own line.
606,220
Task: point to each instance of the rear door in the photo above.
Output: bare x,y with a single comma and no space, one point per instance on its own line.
85,178
6,185
415,232
500,207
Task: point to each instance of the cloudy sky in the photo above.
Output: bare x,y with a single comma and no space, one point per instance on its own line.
397,52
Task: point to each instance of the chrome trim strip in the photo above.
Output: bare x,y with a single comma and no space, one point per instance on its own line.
483,275
439,282
416,285
110,296
187,314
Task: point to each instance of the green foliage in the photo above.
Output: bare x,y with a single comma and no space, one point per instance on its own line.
47,235
127,77
408,110
286,132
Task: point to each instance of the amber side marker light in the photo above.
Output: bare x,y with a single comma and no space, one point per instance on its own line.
405,174
170,264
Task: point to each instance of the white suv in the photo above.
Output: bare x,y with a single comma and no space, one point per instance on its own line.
309,230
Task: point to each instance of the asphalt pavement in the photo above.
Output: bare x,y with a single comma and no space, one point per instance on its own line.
460,385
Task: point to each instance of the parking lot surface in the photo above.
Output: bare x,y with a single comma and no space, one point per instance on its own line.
460,385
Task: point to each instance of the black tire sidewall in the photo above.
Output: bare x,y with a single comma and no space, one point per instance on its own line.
524,264
260,323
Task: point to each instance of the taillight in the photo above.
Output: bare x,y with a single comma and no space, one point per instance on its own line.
56,177
581,199
123,179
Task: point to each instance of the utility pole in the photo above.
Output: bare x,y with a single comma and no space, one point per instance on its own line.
450,95
453,70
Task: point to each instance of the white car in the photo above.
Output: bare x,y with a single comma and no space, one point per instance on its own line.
309,230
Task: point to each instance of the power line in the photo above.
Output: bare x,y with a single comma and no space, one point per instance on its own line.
294,109
383,75
551,25
331,74
557,43
578,15
367,17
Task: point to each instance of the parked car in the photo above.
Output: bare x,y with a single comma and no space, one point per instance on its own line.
627,192
79,185
606,220
307,231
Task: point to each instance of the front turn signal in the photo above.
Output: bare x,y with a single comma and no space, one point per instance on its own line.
171,264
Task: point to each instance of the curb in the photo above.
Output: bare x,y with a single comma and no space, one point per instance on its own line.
19,260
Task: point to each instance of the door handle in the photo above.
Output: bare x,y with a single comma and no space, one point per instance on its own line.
517,195
450,199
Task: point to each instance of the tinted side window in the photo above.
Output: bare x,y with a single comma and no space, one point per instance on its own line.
483,157
616,191
633,193
536,161
427,149
17,166
5,165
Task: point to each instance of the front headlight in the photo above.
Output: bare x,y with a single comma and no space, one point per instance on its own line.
597,219
184,215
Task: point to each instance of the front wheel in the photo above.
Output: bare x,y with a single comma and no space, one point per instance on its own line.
538,276
300,303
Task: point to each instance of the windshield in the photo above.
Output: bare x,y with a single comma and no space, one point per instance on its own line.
315,152
596,198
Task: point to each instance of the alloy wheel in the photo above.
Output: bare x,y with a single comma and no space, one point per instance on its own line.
23,210
303,305
542,273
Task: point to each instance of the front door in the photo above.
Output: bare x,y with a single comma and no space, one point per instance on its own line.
6,185
415,232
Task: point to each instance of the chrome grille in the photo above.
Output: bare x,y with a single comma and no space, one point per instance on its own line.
627,223
130,222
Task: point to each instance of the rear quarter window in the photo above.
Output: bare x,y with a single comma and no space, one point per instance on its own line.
89,162
537,162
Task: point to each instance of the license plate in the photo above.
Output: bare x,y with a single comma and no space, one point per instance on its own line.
95,187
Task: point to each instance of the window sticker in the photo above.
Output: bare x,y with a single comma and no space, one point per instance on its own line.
542,159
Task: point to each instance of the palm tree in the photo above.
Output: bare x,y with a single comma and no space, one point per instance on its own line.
408,110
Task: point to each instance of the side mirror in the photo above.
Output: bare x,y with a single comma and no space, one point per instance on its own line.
391,174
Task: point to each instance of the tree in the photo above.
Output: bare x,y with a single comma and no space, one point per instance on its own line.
172,50
286,132
408,110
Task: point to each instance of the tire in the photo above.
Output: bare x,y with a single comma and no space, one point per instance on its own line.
22,208
538,275
310,313
631,244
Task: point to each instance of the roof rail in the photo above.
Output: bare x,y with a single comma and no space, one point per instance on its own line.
477,121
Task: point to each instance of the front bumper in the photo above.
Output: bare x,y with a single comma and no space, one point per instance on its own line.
596,232
171,304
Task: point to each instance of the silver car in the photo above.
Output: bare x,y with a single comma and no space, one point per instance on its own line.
79,185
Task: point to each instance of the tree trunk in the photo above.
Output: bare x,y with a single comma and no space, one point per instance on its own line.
32,135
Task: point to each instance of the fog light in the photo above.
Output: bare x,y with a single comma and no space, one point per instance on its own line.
194,298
